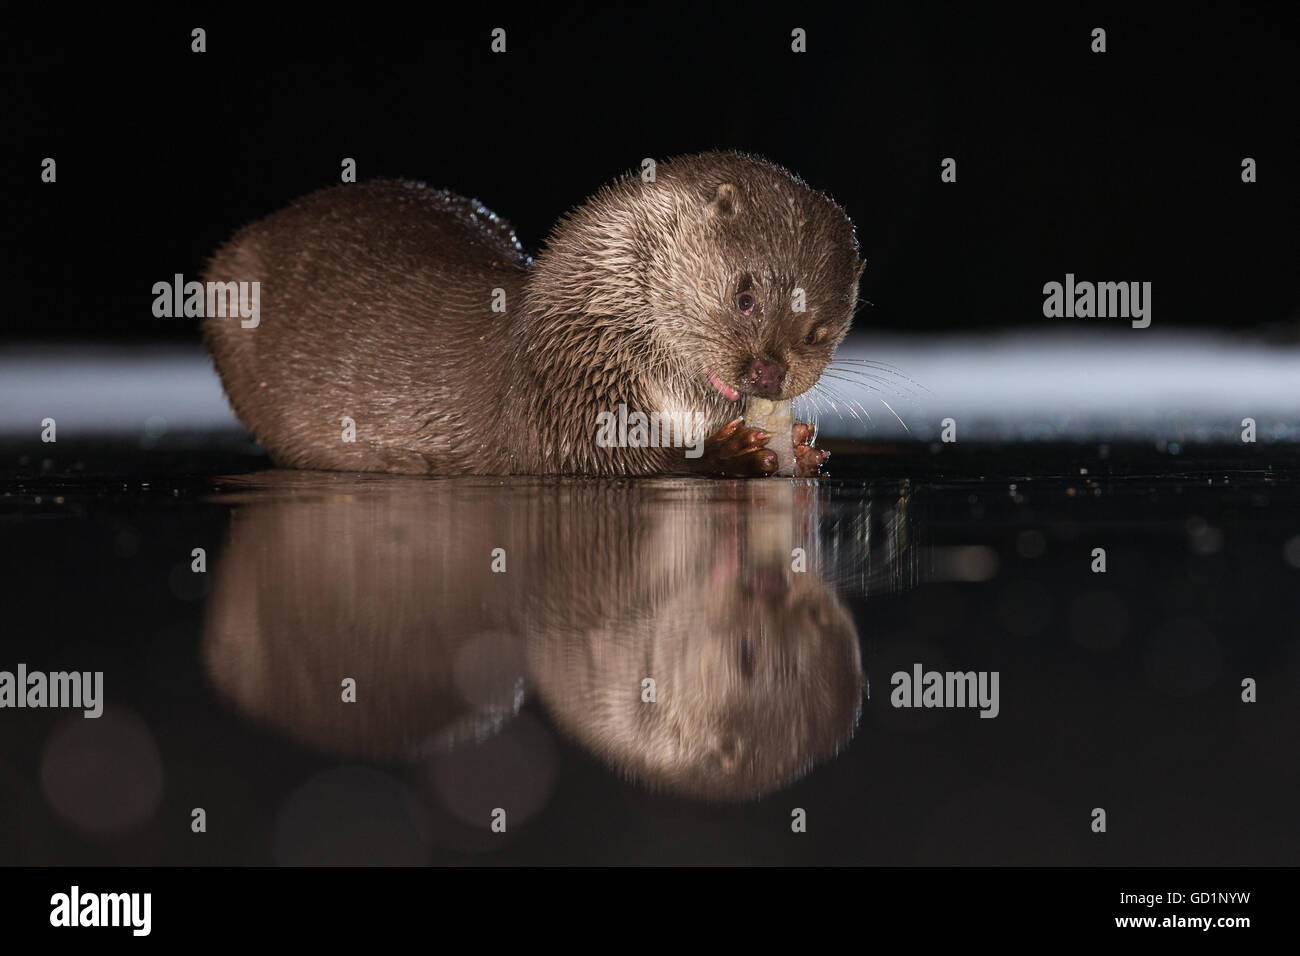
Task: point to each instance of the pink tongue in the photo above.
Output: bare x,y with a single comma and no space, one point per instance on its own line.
730,394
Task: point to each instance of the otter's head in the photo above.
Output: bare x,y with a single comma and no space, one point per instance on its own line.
759,281
742,279
757,678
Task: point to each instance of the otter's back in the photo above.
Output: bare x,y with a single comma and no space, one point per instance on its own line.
376,308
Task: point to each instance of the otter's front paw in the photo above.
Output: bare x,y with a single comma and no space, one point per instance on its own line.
736,451
807,459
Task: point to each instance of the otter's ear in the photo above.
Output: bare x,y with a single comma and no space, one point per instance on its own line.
725,201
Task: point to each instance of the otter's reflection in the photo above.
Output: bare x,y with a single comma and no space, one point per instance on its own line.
662,624
370,581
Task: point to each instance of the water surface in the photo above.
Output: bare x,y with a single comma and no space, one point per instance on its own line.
771,617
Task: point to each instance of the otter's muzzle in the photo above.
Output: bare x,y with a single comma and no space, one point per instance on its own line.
765,377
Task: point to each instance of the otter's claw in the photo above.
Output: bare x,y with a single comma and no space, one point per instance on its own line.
737,451
807,459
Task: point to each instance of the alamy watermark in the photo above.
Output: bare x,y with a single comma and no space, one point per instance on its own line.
1101,300
76,689
922,688
75,908
624,429
208,299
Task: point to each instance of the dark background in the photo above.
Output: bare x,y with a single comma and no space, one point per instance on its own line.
1118,166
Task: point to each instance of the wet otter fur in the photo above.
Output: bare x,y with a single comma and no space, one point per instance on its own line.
378,348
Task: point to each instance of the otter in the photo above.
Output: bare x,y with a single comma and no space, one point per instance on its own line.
404,329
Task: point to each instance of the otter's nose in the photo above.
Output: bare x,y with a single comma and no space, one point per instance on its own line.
766,376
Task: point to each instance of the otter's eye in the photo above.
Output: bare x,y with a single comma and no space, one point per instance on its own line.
814,336
745,303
